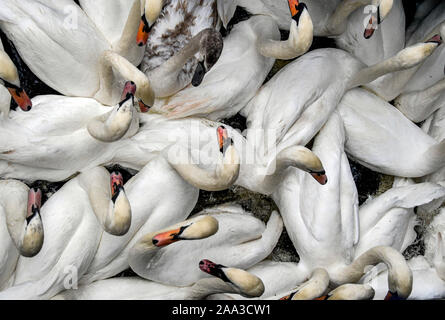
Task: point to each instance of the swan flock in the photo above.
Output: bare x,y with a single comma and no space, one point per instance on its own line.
144,107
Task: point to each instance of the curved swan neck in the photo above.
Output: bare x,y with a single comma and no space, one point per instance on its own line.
115,217
295,156
299,41
399,273
315,287
22,220
338,21
111,60
127,41
224,176
115,124
208,286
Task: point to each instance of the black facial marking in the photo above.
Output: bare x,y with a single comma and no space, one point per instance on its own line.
321,173
199,74
379,20
35,211
227,143
301,6
216,271
127,97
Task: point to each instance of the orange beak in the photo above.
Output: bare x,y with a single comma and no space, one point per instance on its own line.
321,298
116,183
165,238
143,32
130,87
293,6
320,177
34,202
144,108
370,29
222,137
21,98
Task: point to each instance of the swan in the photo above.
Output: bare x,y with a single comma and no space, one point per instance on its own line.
21,229
390,137
330,17
241,241
323,221
389,219
71,125
428,269
118,23
423,93
248,55
423,75
317,285
276,114
10,86
217,169
98,72
224,280
279,279
74,219
178,22
158,197
386,41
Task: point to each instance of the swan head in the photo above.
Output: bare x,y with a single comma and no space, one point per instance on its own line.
115,124
189,230
10,78
152,10
413,55
229,171
211,46
383,9
297,9
120,207
130,89
245,283
352,292
32,239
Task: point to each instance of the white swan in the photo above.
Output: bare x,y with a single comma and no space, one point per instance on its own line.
422,94
156,135
386,41
224,280
247,57
74,219
21,228
389,219
424,74
72,126
10,86
241,241
330,17
282,119
322,221
390,137
73,71
158,197
428,270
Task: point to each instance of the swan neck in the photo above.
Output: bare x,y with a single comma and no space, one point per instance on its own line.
338,21
399,273
208,286
111,60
